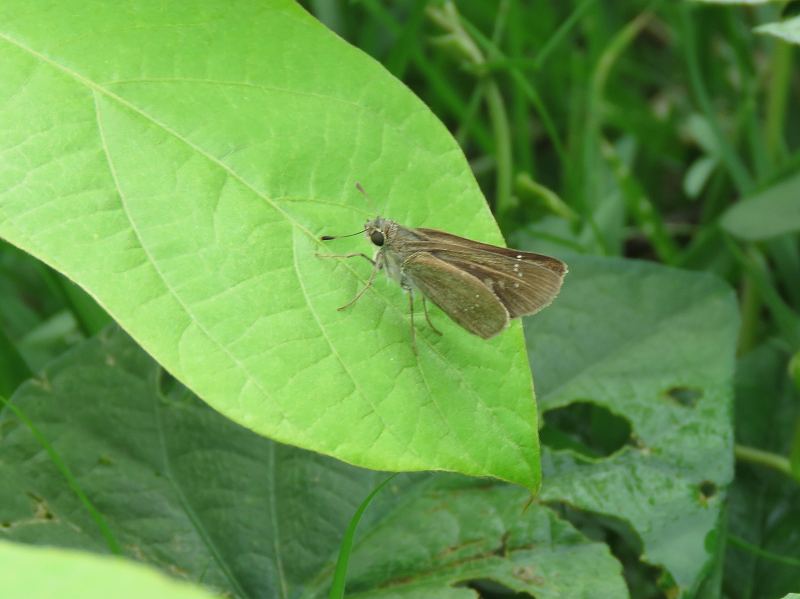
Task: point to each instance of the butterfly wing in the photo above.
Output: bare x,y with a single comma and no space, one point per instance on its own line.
523,289
524,282
553,264
462,296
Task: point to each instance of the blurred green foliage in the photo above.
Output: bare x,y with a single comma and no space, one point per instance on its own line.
635,129
657,130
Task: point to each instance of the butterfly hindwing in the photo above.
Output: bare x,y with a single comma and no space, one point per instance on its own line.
461,295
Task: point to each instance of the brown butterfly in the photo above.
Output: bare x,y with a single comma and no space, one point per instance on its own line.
480,286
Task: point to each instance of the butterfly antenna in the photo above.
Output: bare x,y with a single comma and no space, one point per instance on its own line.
366,195
331,237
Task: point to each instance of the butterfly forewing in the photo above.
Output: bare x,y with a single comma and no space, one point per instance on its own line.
462,296
524,290
450,240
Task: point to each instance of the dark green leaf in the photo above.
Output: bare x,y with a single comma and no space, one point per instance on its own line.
655,346
188,491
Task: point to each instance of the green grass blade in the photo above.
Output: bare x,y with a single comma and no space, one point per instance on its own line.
111,541
346,548
499,59
733,163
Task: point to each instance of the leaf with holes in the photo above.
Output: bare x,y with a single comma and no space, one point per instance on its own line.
178,486
180,162
652,346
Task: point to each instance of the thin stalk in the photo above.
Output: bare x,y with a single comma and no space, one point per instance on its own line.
641,208
607,60
498,117
560,33
777,97
735,167
105,530
498,58
763,458
468,118
346,548
442,91
750,311
449,20
785,318
750,304
763,553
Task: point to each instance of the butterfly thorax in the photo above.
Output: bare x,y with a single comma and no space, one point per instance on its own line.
389,237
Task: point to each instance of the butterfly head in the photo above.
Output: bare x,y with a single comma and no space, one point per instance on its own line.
380,231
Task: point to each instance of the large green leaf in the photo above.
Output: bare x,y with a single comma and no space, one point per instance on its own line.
180,161
772,212
654,346
181,487
44,573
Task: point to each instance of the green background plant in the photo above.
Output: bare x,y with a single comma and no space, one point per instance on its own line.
179,164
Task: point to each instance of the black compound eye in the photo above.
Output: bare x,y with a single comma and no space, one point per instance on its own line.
377,238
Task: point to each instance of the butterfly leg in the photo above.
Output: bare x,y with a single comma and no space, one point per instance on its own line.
411,313
428,318
376,266
353,255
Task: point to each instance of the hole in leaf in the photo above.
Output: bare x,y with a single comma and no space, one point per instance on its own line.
40,508
649,582
166,382
171,389
707,490
586,428
490,589
685,396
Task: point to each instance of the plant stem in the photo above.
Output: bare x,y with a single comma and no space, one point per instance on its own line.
756,550
72,482
736,169
447,18
763,458
592,137
498,117
777,96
